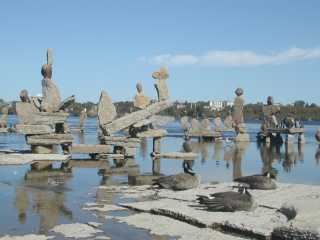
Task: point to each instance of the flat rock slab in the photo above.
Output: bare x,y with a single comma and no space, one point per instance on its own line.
178,155
19,159
34,129
49,139
162,225
259,223
85,148
132,118
153,133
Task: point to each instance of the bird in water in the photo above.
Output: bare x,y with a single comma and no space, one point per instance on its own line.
182,181
262,182
230,201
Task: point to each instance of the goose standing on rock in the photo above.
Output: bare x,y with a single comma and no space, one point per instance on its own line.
262,182
181,181
228,201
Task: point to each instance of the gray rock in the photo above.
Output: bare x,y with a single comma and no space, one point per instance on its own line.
68,102
24,96
161,77
4,117
25,112
106,109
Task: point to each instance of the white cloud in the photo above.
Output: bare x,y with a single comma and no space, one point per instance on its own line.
235,58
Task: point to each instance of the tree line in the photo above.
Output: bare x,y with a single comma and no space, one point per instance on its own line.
201,109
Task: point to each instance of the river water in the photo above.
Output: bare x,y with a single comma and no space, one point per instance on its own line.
33,204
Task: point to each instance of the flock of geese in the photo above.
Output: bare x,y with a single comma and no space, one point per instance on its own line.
229,201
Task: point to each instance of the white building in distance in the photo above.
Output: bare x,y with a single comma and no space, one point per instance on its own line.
219,105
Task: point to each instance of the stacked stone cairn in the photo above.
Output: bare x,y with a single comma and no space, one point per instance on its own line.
123,134
43,119
272,127
4,119
238,119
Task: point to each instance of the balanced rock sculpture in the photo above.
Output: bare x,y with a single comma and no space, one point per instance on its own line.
161,77
50,92
238,118
140,100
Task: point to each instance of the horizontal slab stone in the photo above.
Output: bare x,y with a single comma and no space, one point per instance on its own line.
286,130
19,158
153,133
132,118
85,148
121,139
177,155
122,144
34,129
49,139
259,223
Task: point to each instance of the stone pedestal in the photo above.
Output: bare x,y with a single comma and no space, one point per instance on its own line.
42,149
157,145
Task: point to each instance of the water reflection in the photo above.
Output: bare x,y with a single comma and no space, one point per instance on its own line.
43,191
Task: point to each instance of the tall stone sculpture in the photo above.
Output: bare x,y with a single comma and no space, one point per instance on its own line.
4,117
140,100
238,108
238,118
50,92
83,118
161,77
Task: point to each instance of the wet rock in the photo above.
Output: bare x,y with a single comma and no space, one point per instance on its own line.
26,237
76,230
162,225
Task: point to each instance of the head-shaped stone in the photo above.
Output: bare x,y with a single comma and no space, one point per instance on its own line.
24,96
46,71
161,74
270,100
139,87
238,92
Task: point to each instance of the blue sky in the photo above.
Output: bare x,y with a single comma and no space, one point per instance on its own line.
210,47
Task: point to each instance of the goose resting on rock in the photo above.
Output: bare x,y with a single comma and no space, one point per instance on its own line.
228,201
262,182
181,181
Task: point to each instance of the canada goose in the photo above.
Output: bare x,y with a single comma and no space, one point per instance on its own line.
228,201
262,182
181,181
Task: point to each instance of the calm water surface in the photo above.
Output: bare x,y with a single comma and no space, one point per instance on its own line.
32,202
